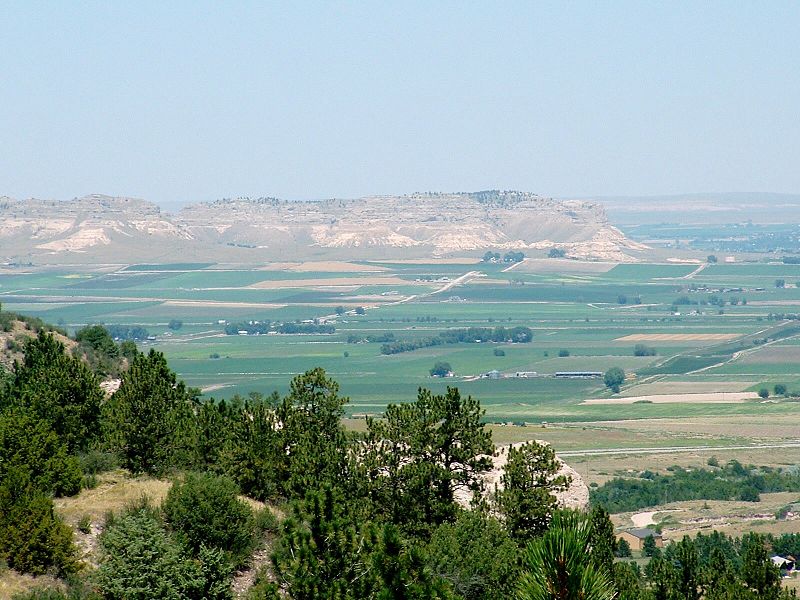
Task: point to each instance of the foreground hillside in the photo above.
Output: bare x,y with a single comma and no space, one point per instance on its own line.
104,229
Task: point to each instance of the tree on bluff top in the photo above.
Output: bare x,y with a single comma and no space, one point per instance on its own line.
422,453
148,419
60,390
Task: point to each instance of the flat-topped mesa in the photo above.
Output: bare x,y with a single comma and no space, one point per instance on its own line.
419,225
442,222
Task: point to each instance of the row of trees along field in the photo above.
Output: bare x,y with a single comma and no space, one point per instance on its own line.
364,515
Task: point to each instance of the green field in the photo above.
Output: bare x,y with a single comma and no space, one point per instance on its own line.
583,315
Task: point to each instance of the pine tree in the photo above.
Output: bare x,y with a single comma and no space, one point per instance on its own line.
150,418
529,480
558,564
424,453
60,390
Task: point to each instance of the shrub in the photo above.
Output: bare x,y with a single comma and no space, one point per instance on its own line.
204,510
141,560
94,462
763,393
499,352
563,353
779,389
265,521
85,524
749,494
33,539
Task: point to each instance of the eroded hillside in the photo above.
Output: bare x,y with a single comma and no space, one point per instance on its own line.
420,225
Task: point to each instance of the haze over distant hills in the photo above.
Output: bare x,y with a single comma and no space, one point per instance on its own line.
100,228
702,208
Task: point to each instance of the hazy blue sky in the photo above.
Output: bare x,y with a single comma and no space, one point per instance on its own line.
188,101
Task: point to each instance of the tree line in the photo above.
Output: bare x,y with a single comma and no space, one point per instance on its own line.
732,481
467,335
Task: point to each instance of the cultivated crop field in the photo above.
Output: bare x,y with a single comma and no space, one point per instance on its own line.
708,329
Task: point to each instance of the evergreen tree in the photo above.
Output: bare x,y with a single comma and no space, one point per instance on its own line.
33,538
526,500
315,444
254,454
150,419
757,571
602,540
649,547
325,552
422,454
60,390
141,560
403,573
205,511
476,556
29,447
558,564
687,568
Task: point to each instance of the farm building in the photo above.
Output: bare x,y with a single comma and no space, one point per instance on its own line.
636,538
784,563
579,374
493,374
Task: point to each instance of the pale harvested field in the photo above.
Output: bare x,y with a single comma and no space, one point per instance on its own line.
750,427
772,354
774,302
561,266
222,304
430,261
686,387
707,398
677,337
330,266
327,283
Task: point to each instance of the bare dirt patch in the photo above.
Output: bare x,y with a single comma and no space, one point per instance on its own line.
677,337
707,398
327,283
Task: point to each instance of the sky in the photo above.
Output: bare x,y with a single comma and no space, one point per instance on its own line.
190,101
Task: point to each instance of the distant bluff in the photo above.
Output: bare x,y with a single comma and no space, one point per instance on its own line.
100,228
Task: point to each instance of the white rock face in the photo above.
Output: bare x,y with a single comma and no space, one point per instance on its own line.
575,496
427,225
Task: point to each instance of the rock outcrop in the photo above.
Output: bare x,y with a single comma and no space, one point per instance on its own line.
419,225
